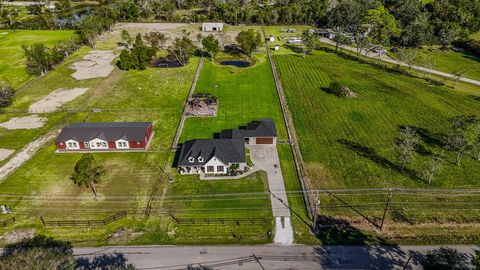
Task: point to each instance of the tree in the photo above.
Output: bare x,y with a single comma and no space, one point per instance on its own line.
115,261
341,40
155,39
361,38
407,141
457,75
445,259
41,252
182,49
211,45
462,136
138,57
434,166
38,59
383,25
249,40
407,56
127,39
309,40
87,173
476,260
6,94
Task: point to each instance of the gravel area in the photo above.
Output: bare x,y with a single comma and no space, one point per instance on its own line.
96,64
5,153
55,100
26,122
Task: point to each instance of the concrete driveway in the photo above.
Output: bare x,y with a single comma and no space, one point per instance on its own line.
265,157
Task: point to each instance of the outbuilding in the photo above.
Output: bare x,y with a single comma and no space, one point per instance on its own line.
212,27
105,137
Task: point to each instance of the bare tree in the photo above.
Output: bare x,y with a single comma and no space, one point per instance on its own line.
407,56
434,166
457,75
427,62
407,141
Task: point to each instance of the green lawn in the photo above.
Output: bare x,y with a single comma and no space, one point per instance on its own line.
450,61
12,63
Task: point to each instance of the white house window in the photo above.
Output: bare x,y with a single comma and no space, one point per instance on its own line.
191,159
101,144
86,144
200,159
122,144
210,168
220,168
72,145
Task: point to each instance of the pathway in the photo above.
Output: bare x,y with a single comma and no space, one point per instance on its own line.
178,133
272,257
25,154
386,58
265,157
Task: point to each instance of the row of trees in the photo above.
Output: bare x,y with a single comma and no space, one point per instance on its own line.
40,58
463,139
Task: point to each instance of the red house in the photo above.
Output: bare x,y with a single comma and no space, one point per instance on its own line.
93,137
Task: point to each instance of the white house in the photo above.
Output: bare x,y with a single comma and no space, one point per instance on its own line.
212,27
211,156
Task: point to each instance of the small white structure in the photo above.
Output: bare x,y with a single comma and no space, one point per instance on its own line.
271,38
295,41
212,27
277,47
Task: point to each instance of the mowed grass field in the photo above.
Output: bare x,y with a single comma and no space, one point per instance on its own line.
12,62
450,61
350,143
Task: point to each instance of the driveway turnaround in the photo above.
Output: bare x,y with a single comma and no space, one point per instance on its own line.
265,157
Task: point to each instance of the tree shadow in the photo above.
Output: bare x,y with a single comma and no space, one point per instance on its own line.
371,154
433,139
347,247
105,261
232,49
477,98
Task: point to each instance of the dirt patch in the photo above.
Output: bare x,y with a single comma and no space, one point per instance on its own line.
123,235
17,236
55,100
96,64
26,122
5,153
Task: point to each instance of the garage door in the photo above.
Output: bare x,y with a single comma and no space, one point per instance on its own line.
264,140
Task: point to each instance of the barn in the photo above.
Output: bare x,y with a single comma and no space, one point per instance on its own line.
105,137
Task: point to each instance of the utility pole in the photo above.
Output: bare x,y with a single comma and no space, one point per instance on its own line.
315,210
386,208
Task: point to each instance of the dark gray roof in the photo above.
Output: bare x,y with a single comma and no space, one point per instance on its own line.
260,128
130,131
228,151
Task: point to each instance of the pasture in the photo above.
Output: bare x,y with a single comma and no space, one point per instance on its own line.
12,63
350,143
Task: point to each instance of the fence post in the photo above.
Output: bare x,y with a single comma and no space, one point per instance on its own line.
390,195
43,221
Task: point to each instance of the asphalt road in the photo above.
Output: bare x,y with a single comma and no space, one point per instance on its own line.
271,257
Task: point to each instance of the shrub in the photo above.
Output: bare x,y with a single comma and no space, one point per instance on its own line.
6,94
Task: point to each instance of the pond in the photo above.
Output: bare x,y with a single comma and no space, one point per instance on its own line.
236,63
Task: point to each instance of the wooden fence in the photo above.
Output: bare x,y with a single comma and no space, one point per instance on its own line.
220,221
7,222
83,223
